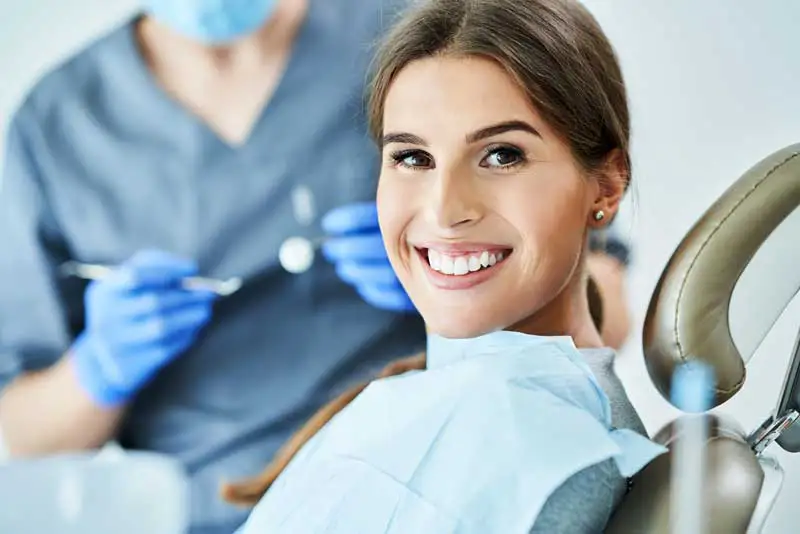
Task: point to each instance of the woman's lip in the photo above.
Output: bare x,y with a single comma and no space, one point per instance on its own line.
452,282
461,248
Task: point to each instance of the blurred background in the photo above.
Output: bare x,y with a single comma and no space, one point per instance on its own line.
713,87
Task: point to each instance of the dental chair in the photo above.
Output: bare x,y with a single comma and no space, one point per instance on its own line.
692,315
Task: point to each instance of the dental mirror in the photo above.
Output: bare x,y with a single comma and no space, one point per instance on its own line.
296,254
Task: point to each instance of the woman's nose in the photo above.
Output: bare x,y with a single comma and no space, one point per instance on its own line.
455,201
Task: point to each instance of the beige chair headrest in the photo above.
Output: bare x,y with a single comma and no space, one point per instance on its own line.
688,316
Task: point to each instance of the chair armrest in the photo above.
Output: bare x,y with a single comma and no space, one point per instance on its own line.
733,483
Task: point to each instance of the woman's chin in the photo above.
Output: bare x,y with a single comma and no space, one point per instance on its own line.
455,327
463,318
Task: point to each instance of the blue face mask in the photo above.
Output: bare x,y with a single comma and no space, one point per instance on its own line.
212,21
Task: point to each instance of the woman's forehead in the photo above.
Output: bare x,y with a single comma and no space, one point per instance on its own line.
455,94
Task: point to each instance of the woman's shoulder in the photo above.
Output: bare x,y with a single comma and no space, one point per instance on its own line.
584,503
623,414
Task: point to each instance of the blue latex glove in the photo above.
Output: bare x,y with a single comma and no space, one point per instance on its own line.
356,248
137,320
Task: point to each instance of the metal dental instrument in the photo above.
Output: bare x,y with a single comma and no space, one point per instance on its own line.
90,271
692,391
296,254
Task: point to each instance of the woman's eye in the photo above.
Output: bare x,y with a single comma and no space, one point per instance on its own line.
502,157
413,159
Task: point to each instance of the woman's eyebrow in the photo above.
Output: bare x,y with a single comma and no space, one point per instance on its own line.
483,133
502,127
402,137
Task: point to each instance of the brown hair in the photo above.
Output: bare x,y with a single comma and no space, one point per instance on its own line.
555,50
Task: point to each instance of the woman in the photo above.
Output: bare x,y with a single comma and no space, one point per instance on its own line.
504,130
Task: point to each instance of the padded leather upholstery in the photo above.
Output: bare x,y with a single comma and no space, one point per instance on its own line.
733,479
688,313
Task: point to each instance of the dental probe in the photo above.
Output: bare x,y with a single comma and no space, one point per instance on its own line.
92,271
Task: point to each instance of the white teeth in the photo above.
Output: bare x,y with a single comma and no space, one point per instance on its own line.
434,259
461,265
447,265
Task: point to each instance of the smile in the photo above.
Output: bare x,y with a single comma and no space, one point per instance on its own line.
462,269
461,265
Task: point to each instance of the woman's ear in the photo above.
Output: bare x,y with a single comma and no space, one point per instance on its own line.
612,179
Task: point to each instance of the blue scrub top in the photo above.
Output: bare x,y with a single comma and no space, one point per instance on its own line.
100,163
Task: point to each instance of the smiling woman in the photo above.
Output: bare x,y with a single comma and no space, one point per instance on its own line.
504,132
521,150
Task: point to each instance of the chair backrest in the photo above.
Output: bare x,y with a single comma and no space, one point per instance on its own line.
134,493
690,317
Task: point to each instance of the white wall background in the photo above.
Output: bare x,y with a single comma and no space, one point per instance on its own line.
714,88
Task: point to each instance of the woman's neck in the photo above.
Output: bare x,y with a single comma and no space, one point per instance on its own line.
566,315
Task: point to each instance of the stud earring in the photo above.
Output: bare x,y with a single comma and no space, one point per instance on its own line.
599,215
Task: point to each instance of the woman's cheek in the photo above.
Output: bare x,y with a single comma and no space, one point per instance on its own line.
389,220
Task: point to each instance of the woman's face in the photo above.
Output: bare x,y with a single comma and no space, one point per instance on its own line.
483,209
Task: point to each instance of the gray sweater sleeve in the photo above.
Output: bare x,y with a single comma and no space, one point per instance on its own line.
584,503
